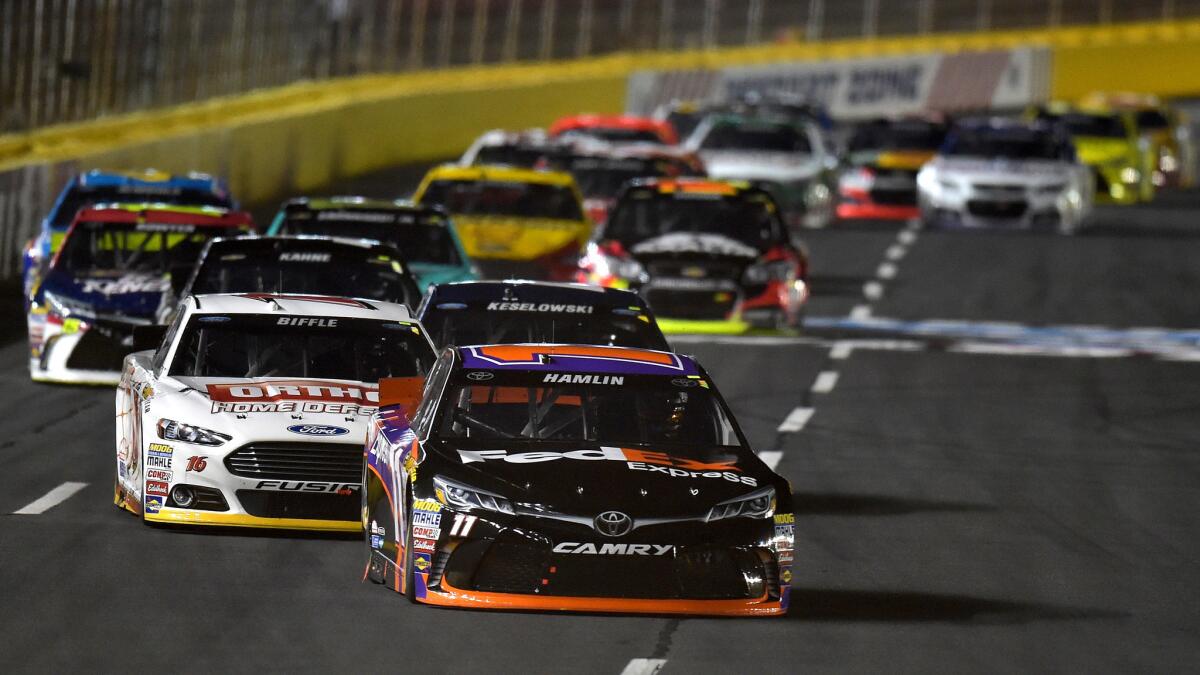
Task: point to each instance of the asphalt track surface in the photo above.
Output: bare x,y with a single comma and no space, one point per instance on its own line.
956,512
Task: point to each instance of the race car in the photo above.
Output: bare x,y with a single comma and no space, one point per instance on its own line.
1005,174
354,268
252,409
709,256
113,273
572,478
601,170
424,235
489,312
879,177
615,129
788,159
513,222
1166,129
523,149
1108,142
107,187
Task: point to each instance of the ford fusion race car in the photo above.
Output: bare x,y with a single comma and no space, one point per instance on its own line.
1108,143
879,181
788,159
114,272
489,312
107,187
709,256
513,222
1007,174
424,235
567,477
253,408
354,268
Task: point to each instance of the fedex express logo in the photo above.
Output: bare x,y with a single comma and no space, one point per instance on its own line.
635,460
294,396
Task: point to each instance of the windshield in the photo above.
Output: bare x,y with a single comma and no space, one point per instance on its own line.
79,197
1152,119
907,135
275,267
1007,144
618,410
644,214
514,322
599,177
511,155
756,138
281,345
1100,126
151,248
425,242
497,198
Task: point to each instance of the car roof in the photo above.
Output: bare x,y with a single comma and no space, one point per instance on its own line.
516,290
497,172
357,203
306,305
203,216
575,359
151,178
665,186
304,240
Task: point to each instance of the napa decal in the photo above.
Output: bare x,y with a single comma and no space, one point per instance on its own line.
635,460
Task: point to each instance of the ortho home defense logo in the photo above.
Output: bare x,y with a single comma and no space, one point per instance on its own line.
637,460
293,396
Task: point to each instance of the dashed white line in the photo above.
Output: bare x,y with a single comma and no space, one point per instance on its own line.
51,499
825,382
860,312
873,290
643,666
895,252
796,420
907,237
841,350
886,271
770,458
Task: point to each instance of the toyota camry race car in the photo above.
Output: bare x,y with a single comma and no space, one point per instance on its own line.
579,478
114,272
355,268
879,181
513,222
489,312
1005,174
709,256
253,408
424,235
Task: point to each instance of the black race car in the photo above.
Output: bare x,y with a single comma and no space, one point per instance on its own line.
569,477
491,312
355,268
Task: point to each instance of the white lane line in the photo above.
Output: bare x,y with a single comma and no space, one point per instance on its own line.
643,666
796,420
886,271
841,350
825,382
860,312
907,237
873,290
914,224
51,499
895,252
770,458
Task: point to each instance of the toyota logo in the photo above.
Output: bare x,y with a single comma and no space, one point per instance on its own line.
480,375
613,524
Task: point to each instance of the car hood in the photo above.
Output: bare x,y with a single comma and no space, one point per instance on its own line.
130,294
1102,150
773,166
688,245
1005,171
577,479
426,273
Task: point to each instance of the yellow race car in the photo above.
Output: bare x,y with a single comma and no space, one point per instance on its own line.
513,222
1165,129
1108,142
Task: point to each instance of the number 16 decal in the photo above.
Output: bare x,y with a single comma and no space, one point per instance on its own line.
462,525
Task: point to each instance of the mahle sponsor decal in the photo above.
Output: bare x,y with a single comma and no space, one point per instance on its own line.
577,548
637,460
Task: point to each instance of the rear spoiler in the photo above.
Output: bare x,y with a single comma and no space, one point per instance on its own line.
402,391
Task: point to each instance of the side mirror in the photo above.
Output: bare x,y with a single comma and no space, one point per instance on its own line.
148,337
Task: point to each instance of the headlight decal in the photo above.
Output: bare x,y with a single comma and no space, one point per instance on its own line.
171,430
758,504
464,497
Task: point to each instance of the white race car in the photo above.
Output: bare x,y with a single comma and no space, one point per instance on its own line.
1005,174
786,158
254,409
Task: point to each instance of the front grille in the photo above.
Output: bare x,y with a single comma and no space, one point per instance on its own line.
328,462
1000,188
695,270
301,505
690,304
102,347
894,196
996,209
695,573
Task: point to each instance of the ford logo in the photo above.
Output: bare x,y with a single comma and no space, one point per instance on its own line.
317,430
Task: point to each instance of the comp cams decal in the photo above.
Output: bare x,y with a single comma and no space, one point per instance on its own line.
636,460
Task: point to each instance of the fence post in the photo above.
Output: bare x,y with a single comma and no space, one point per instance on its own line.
983,17
512,28
708,33
870,22
416,35
546,50
754,18
925,17
1054,15
583,42
816,20
478,31
666,21
445,33
1105,11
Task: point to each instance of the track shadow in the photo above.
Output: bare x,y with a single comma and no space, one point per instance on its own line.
836,285
912,607
253,532
874,505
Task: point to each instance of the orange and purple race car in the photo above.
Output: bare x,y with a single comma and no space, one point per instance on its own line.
572,478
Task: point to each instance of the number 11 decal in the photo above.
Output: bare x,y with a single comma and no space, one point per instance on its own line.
462,525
